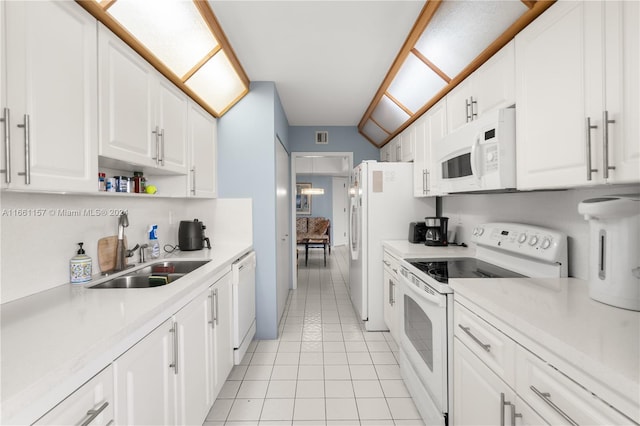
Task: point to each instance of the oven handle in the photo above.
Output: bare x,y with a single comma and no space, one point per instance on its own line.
409,278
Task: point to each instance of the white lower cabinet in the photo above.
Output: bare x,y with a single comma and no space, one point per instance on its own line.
221,335
174,374
557,398
497,381
390,291
91,404
480,397
145,380
194,394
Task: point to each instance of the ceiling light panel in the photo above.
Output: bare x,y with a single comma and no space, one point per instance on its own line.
374,132
460,30
415,84
173,30
217,83
389,115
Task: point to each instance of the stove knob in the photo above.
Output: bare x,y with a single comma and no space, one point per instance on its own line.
533,241
480,231
522,238
546,243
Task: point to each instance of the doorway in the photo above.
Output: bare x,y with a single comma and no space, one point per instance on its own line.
326,165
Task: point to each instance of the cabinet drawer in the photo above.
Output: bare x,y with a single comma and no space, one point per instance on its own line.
391,263
558,399
90,404
492,346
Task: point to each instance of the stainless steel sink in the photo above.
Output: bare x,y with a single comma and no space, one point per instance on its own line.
152,275
139,281
178,267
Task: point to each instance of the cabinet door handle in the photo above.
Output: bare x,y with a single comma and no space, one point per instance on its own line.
390,285
426,188
502,404
467,330
467,107
392,291
546,397
94,413
7,144
605,139
424,181
27,149
193,180
474,114
215,294
589,128
174,365
161,147
156,132
386,263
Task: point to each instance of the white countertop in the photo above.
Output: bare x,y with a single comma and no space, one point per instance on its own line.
54,341
404,249
557,314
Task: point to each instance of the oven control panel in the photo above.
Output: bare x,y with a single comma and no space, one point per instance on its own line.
527,240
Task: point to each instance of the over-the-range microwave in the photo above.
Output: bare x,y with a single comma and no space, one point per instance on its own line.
481,156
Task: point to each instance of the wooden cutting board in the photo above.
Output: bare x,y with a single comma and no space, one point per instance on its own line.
107,252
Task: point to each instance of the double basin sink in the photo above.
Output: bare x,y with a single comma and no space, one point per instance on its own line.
154,275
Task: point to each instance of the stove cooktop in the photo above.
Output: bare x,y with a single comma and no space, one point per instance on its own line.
461,267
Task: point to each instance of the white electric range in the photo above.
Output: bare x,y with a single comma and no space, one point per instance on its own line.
502,250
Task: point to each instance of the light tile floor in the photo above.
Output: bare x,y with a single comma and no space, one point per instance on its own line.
324,370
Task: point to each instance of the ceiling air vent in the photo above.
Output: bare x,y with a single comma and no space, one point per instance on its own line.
322,138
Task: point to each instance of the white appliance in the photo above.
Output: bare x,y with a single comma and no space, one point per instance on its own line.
243,275
381,207
614,260
504,250
481,156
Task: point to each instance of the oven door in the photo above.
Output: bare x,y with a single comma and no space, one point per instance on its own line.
423,337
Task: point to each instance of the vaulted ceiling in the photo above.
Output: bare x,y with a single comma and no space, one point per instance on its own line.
327,58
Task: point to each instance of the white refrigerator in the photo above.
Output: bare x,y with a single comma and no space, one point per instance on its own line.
381,207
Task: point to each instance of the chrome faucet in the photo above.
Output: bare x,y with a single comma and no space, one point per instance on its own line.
121,251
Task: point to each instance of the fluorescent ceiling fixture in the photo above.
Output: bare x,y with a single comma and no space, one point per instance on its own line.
415,84
374,132
460,30
173,30
183,40
217,83
389,115
449,41
312,191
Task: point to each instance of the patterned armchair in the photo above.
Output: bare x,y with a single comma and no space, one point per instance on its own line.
314,228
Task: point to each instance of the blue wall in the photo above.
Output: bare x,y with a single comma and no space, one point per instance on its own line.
246,169
341,139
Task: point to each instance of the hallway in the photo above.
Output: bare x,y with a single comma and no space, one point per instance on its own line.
324,370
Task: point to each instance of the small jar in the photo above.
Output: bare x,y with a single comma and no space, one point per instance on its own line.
102,182
139,182
111,185
122,184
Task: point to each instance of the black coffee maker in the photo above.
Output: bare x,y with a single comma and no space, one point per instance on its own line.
436,233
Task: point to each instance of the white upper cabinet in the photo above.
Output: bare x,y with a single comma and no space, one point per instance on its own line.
431,127
622,90
490,87
49,97
143,116
203,153
407,144
576,64
171,116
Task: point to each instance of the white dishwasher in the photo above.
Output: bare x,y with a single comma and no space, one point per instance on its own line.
243,273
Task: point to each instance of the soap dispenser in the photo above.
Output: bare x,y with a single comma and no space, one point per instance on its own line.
80,267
